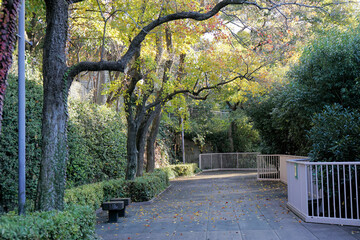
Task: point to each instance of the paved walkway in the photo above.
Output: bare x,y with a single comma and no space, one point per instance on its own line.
219,205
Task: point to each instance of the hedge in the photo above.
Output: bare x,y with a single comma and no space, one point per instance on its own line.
180,170
89,194
140,189
148,186
75,222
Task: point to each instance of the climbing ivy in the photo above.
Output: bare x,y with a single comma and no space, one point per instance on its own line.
8,27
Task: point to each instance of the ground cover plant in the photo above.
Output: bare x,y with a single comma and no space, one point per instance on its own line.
75,222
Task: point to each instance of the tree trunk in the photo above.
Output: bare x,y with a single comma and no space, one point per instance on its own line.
54,143
142,138
132,151
134,116
230,137
150,145
99,86
8,27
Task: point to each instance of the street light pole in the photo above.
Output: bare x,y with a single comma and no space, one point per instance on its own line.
21,106
183,139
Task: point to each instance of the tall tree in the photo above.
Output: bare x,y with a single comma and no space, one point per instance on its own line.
58,77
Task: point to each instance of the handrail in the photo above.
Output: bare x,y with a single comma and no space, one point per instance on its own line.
324,192
321,163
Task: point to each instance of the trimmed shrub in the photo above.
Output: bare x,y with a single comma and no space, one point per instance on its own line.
168,171
140,189
179,170
114,189
184,169
76,222
148,186
90,194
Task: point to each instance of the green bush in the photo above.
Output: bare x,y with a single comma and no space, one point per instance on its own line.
97,144
89,194
327,73
184,169
76,222
169,172
148,186
114,189
96,193
179,170
140,189
9,143
335,135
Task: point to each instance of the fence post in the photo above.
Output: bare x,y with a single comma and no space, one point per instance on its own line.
237,160
200,161
258,166
221,164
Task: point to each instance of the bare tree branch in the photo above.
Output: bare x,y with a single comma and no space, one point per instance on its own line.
277,5
195,93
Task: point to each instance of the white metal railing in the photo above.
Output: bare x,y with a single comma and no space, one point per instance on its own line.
268,167
324,192
225,161
273,166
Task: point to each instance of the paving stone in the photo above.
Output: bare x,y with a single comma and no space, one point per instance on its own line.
260,234
160,227
226,225
254,223
299,233
228,235
321,231
189,235
191,227
218,205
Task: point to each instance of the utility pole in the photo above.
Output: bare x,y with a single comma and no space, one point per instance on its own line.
183,139
21,106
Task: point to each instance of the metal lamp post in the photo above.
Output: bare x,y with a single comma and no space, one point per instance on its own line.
21,106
